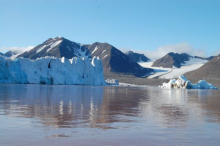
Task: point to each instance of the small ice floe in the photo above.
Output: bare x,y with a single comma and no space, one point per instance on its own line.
112,82
183,83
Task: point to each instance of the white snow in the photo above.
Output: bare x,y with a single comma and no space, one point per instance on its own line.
103,51
96,48
112,82
184,83
158,71
54,45
169,73
41,48
105,56
78,51
50,70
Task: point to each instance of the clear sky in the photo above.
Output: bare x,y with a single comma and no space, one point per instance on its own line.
144,25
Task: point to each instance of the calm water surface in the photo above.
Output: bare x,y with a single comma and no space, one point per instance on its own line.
40,115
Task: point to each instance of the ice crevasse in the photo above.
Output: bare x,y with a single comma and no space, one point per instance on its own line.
49,70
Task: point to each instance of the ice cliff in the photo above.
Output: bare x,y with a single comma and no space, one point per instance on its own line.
184,83
49,70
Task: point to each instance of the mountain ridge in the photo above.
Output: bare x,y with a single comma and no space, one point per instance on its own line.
137,57
114,61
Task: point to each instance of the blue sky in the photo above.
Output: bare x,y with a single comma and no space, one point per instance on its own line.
143,25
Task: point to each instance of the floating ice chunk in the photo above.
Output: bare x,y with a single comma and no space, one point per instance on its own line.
112,82
184,83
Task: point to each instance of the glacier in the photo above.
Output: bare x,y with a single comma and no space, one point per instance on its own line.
184,83
50,70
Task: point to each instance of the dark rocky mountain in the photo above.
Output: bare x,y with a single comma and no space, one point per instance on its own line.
136,57
210,70
10,53
114,61
57,47
172,59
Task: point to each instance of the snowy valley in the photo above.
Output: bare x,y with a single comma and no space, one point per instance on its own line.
174,72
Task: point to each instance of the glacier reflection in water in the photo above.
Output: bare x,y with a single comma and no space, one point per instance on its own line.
93,115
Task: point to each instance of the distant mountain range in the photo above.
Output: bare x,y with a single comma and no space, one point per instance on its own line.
171,60
114,61
117,63
136,57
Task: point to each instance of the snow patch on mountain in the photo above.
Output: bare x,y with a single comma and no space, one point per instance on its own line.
54,45
103,52
41,48
49,70
105,56
80,52
96,48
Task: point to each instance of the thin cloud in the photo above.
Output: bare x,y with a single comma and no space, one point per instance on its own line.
16,49
217,52
176,48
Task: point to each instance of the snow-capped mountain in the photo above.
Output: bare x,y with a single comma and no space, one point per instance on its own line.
115,61
191,64
57,47
172,60
210,70
175,60
136,57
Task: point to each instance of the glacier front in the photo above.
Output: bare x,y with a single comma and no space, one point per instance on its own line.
49,70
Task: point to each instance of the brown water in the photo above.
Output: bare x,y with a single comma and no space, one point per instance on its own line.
39,115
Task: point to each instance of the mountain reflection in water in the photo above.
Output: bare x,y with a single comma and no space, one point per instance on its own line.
153,115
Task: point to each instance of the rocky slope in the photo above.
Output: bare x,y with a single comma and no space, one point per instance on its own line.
171,60
210,70
136,57
57,47
115,61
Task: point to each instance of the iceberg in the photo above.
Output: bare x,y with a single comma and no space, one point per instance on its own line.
112,81
50,70
184,83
